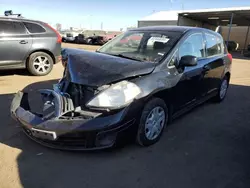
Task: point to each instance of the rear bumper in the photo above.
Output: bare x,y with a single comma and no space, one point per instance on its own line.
74,134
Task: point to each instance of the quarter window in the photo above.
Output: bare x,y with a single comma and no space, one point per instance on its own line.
213,44
173,60
11,27
193,45
34,28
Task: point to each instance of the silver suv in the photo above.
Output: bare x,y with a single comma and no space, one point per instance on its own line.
29,44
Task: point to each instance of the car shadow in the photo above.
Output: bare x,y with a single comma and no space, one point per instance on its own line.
208,147
22,72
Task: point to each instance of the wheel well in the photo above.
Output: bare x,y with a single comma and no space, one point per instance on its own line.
165,96
228,75
45,51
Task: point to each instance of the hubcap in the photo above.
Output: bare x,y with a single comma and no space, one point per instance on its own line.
155,122
223,89
41,64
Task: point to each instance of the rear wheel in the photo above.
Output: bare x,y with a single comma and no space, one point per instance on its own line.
222,92
40,64
153,120
90,41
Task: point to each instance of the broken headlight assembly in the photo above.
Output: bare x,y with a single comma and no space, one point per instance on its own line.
116,96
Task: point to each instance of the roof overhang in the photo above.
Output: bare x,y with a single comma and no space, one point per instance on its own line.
241,16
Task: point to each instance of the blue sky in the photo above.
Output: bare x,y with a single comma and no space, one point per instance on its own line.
114,14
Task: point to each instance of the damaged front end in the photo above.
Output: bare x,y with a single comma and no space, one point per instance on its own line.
64,124
77,114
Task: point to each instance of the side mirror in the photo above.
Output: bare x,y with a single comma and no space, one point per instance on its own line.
188,61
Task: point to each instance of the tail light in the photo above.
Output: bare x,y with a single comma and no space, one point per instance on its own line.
59,38
64,62
230,56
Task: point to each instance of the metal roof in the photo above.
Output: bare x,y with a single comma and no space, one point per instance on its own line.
241,15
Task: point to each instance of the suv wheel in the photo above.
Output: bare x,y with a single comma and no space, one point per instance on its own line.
153,120
40,64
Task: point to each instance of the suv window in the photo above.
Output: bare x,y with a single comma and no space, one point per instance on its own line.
12,27
193,45
34,28
213,44
69,35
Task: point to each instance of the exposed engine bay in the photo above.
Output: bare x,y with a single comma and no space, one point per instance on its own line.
68,100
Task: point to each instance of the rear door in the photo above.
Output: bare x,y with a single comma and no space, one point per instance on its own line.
214,66
15,42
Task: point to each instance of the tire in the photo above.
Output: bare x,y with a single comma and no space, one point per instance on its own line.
222,91
42,60
91,42
144,137
76,40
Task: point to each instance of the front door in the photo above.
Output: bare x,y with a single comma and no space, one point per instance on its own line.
14,42
188,89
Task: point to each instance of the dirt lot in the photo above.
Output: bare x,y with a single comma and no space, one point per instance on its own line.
207,148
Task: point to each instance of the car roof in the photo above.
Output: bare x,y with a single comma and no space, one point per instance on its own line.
9,18
181,29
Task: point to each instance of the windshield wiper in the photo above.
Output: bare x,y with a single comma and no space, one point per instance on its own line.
127,57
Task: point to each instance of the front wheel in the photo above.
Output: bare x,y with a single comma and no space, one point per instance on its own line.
152,122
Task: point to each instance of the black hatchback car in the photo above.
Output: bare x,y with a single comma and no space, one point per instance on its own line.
123,91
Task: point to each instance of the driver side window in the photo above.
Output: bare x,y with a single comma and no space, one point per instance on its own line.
193,45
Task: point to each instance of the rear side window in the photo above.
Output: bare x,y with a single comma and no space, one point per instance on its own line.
34,28
213,44
12,27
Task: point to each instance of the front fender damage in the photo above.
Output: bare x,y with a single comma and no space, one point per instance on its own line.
156,82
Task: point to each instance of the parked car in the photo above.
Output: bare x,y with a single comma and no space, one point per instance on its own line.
70,37
121,92
131,40
81,39
96,39
29,44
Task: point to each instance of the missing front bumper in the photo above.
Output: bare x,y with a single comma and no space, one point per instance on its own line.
71,134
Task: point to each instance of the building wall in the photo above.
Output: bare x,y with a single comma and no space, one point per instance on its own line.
238,34
156,23
184,21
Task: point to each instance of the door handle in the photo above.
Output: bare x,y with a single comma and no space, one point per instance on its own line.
206,68
23,42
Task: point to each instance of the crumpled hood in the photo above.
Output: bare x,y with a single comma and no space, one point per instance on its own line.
97,69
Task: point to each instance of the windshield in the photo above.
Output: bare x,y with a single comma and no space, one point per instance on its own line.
142,45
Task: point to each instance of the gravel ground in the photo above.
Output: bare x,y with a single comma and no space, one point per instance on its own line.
206,148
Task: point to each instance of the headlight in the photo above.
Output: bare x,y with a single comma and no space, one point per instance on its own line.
116,96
